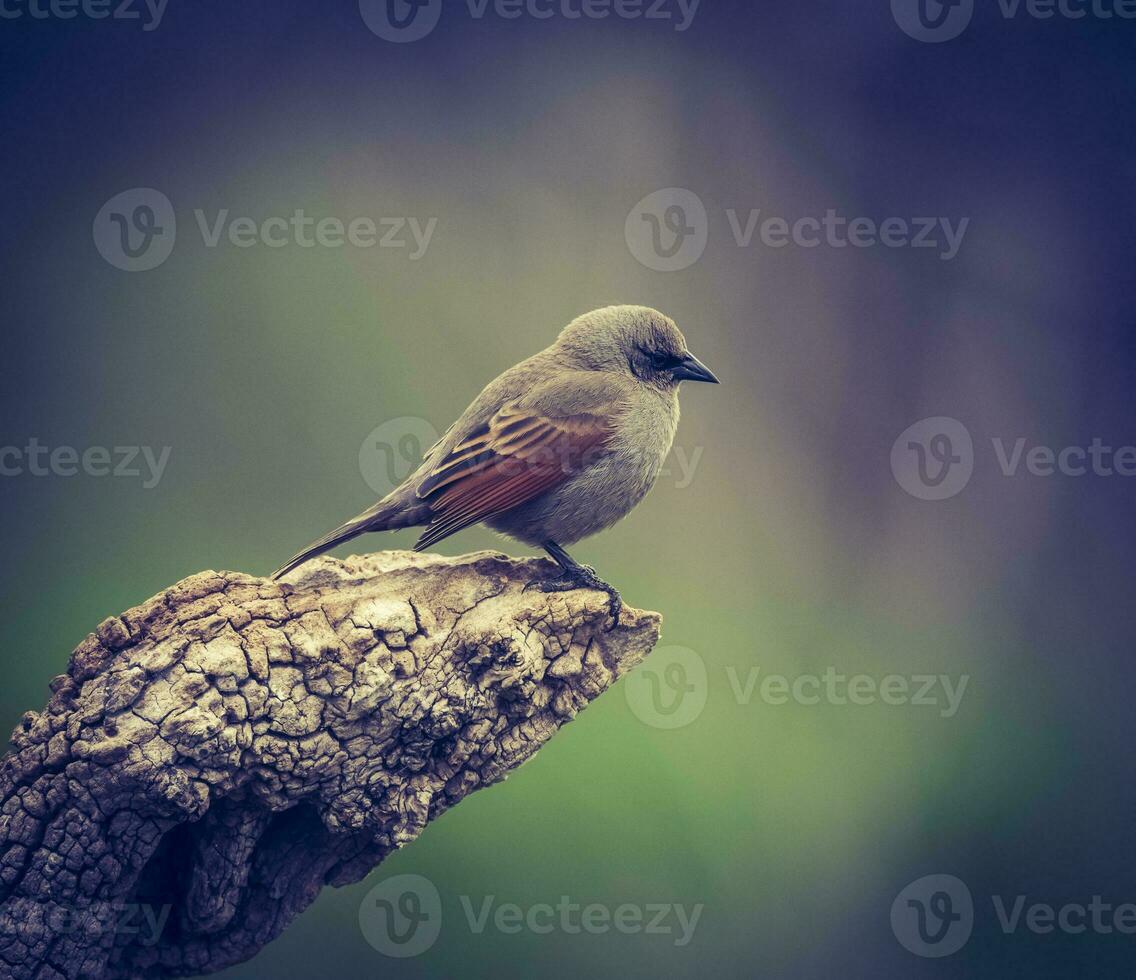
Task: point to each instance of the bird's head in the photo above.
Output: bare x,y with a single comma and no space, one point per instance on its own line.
634,340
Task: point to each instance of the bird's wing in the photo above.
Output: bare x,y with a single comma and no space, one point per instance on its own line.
518,455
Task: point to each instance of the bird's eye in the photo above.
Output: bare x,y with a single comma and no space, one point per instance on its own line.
659,361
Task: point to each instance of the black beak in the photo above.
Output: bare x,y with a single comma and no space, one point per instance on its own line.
690,368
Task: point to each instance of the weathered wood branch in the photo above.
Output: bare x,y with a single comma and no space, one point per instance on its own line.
215,756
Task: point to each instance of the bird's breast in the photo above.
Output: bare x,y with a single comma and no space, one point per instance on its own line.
642,440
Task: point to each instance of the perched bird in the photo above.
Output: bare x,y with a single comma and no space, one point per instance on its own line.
558,447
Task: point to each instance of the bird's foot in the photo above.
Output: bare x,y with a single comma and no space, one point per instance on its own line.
583,577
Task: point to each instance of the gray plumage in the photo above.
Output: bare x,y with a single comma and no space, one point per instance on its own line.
558,447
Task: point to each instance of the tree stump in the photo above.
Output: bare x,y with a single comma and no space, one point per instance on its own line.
215,756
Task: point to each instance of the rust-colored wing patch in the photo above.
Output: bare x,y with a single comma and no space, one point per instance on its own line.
515,458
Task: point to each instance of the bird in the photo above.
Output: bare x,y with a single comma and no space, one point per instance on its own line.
557,448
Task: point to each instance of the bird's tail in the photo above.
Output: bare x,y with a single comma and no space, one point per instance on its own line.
386,515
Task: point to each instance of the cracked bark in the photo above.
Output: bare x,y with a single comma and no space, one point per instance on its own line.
215,756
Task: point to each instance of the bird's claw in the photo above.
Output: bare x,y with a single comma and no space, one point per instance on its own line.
584,578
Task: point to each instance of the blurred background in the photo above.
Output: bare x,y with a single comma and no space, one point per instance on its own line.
291,381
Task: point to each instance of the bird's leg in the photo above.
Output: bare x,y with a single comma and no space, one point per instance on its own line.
576,576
